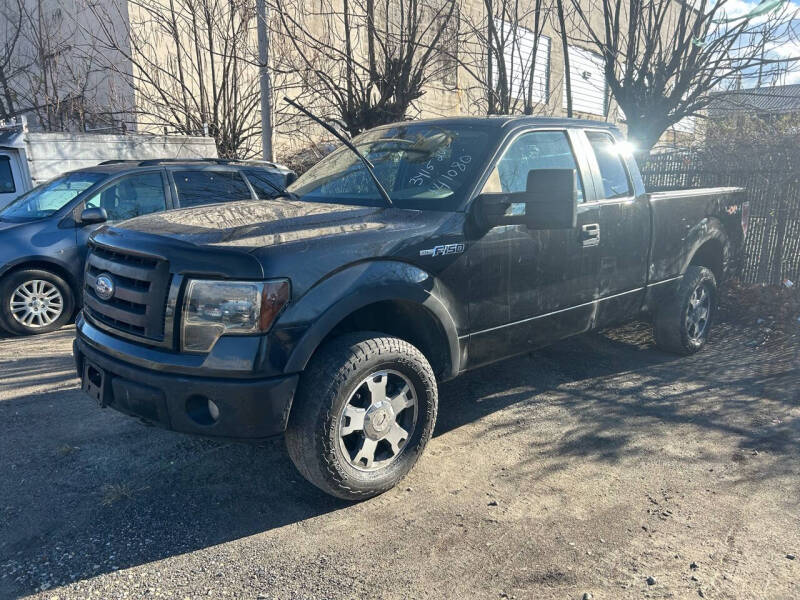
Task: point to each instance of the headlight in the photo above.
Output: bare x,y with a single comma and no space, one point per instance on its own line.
214,308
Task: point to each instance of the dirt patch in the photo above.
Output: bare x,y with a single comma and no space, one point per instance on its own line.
593,466
773,310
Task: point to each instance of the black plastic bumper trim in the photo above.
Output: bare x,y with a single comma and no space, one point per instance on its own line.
248,409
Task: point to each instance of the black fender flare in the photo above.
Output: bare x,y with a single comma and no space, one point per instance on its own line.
709,229
332,299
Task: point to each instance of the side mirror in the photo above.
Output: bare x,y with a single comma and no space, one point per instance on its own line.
92,216
548,202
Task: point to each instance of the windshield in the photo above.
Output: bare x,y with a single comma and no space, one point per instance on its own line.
48,198
422,166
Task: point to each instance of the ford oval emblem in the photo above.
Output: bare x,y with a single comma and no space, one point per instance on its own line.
104,286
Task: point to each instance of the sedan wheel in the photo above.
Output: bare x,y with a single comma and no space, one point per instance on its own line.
36,303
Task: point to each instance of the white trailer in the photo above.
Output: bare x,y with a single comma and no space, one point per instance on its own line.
28,159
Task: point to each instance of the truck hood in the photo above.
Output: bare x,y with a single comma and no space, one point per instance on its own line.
259,224
304,241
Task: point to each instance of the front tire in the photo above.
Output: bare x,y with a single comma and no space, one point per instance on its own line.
33,301
365,409
682,325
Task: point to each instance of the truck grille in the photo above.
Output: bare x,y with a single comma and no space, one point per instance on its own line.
141,285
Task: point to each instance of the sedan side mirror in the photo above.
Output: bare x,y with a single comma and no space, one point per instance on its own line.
548,202
93,216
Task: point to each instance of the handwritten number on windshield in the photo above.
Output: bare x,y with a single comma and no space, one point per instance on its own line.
444,180
424,173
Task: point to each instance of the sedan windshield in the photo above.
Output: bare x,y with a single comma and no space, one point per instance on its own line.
48,198
421,165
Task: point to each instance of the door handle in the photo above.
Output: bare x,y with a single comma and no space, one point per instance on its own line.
590,235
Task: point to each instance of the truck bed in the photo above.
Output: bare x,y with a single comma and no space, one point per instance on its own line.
682,218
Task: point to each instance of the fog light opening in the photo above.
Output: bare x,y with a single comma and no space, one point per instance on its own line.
202,410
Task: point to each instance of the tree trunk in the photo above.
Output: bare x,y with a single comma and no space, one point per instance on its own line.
643,134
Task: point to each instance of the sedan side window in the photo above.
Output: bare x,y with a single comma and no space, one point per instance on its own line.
616,183
534,150
132,196
207,186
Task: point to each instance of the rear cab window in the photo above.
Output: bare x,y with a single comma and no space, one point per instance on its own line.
208,186
613,172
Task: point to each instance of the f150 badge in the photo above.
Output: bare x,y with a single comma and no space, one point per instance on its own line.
442,250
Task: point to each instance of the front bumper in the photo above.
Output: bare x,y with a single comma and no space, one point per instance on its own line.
248,409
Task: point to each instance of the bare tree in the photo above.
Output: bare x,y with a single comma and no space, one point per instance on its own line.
59,82
10,65
367,61
501,44
663,58
562,32
193,65
47,70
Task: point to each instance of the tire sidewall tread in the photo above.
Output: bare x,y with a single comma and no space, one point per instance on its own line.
669,325
329,379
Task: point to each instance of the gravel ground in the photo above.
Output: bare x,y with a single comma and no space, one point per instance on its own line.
598,466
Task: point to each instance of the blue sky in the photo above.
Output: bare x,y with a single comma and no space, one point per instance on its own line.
787,47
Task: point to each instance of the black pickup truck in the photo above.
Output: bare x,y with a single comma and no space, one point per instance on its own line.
329,314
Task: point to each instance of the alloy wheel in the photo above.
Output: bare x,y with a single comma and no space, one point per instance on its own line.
36,303
378,420
697,316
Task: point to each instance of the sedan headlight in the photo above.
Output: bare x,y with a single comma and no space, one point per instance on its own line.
214,308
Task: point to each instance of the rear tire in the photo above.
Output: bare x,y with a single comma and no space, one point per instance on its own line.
365,409
33,301
682,326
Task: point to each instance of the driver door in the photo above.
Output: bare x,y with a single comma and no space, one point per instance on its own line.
531,287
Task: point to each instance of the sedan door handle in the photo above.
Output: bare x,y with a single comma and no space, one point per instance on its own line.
590,235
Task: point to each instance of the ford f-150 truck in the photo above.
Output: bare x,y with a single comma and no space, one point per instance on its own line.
329,315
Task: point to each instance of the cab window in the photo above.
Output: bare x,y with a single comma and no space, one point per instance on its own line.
616,183
530,151
132,196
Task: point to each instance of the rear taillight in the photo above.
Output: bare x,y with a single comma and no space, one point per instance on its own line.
745,217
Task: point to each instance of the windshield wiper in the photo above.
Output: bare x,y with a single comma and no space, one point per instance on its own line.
282,191
370,167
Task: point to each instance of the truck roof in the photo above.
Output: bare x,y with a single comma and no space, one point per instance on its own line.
501,121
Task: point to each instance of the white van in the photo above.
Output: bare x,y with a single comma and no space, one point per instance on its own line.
28,159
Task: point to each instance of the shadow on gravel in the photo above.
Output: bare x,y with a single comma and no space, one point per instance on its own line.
87,491
622,387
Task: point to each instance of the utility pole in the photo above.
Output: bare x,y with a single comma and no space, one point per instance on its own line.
565,47
264,80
